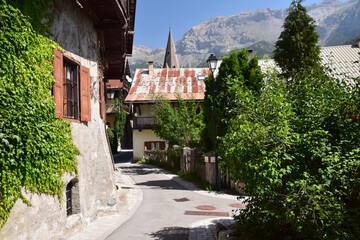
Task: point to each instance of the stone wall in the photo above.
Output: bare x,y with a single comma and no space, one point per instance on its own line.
47,217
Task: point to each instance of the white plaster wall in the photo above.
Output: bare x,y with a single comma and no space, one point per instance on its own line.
47,218
139,138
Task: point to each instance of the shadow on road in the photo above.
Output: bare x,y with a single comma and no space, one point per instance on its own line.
136,169
123,157
171,233
162,184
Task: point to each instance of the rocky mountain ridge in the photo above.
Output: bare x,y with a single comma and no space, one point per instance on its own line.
258,30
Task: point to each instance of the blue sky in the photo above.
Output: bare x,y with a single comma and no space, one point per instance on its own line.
153,17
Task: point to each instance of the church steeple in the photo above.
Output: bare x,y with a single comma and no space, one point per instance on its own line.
170,60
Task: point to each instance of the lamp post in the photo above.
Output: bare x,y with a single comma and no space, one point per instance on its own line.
212,62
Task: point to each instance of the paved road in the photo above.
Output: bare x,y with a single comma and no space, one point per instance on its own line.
168,209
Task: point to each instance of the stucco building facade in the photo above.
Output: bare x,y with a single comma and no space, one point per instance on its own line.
84,31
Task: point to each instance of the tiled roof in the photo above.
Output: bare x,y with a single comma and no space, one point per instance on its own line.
168,82
114,84
341,59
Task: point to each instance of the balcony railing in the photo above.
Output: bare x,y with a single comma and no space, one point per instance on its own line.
144,122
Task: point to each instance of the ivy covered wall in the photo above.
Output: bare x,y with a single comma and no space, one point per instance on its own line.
35,148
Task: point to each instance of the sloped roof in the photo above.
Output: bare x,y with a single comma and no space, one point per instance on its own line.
168,82
341,59
114,84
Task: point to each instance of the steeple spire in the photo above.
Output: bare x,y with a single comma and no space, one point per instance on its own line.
170,60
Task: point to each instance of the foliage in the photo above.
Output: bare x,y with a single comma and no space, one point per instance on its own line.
142,160
235,70
35,148
297,45
194,178
39,13
117,133
180,125
296,145
298,153
112,140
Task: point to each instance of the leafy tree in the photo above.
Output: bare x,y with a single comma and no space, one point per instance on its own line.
296,147
297,46
180,125
235,70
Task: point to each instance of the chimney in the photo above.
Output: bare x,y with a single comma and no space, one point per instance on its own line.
151,67
250,54
358,42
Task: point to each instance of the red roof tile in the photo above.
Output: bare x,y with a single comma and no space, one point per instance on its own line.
168,82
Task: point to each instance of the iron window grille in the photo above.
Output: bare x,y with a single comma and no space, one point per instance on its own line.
71,89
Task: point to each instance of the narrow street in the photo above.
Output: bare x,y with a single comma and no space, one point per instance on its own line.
168,210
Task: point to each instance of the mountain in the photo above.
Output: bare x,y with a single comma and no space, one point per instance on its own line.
258,30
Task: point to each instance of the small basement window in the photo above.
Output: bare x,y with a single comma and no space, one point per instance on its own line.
72,197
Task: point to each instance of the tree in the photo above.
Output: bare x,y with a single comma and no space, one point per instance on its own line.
235,70
296,148
180,125
297,46
295,145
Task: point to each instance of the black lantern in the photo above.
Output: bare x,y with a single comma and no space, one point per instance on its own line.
212,62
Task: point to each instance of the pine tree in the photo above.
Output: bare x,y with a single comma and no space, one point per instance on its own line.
296,48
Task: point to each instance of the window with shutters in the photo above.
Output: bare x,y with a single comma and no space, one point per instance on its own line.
71,89
154,145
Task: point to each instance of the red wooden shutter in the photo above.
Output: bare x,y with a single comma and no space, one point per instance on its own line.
102,100
148,146
58,85
162,145
85,104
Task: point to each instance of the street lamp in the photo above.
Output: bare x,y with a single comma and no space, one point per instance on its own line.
110,94
212,62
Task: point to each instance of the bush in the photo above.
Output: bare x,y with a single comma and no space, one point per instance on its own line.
296,148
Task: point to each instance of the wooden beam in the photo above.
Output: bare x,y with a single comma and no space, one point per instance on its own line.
114,54
119,11
85,5
111,26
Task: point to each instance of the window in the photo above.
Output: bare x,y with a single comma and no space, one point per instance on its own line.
71,89
72,197
154,145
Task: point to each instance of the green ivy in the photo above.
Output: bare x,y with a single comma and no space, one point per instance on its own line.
35,148
117,133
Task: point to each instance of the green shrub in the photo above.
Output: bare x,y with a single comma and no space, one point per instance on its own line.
298,153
